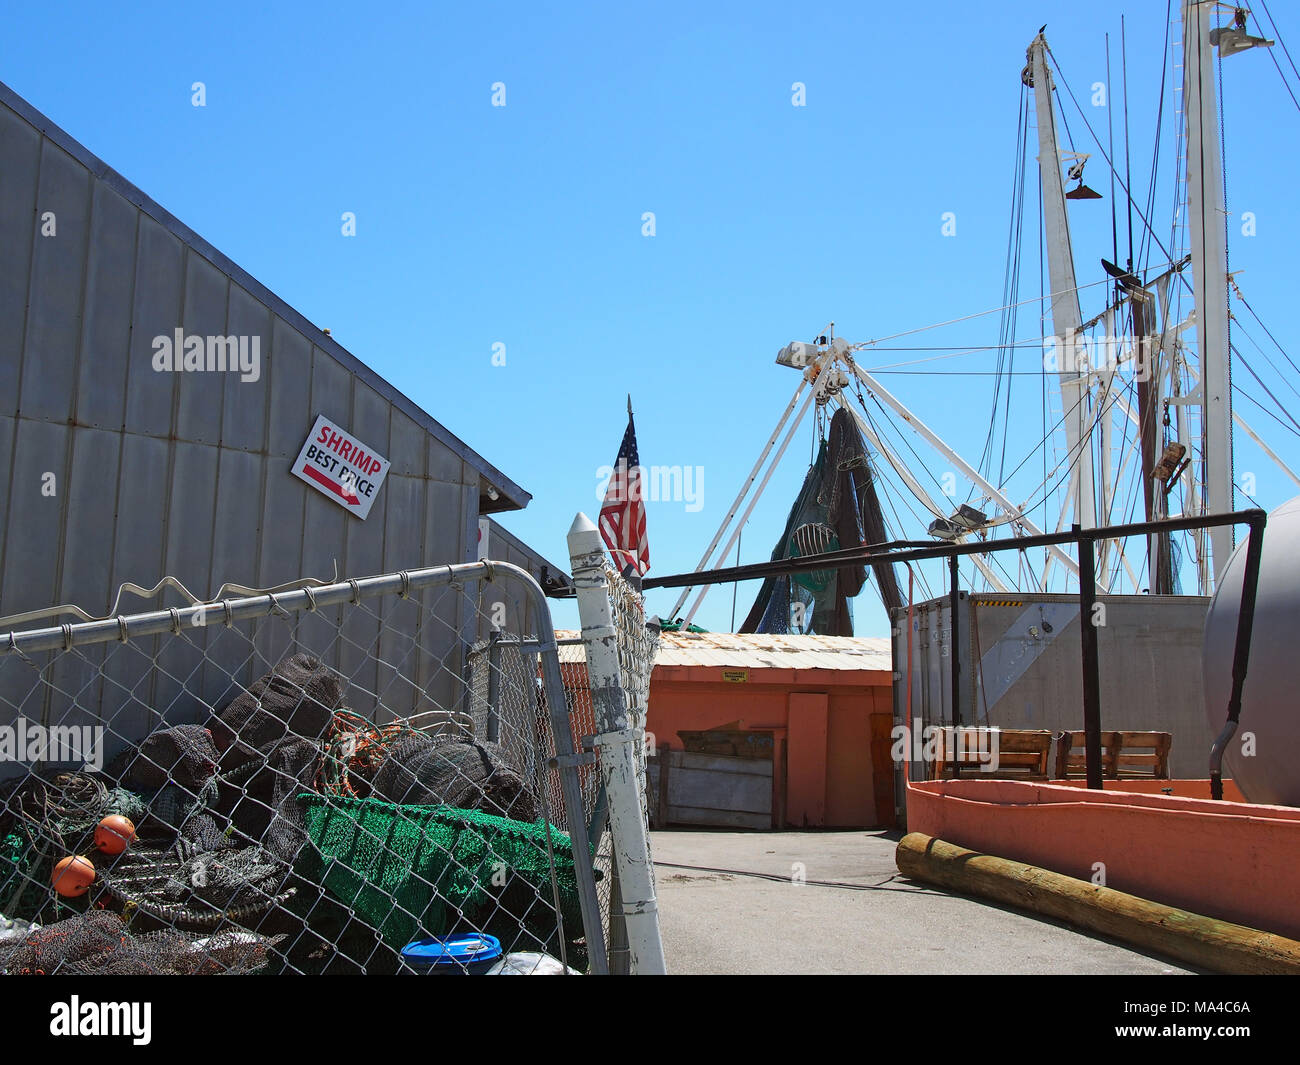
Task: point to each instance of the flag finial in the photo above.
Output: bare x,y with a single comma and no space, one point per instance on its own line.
629,404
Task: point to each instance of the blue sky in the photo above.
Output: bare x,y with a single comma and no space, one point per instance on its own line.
522,225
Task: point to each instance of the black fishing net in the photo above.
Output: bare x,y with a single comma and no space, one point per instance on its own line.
200,892
100,943
837,507
299,696
421,771
214,880
184,755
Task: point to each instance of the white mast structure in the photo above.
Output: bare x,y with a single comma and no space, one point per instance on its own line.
1074,375
1207,226
824,364
1207,223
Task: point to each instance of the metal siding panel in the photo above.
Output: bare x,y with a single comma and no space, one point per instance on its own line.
201,394
282,512
361,626
445,465
451,621
106,331
238,529
272,642
8,426
155,312
404,525
323,539
290,390
283,499
86,577
20,696
34,533
58,267
331,392
406,446
191,506
191,515
20,148
404,522
444,505
244,425
142,510
369,421
91,519
234,560
73,698
138,557
325,535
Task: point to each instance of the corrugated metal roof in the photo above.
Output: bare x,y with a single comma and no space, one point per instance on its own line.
759,651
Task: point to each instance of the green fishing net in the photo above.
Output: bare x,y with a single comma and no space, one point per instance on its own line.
412,871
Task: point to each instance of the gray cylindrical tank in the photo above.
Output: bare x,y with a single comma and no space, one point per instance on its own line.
1270,707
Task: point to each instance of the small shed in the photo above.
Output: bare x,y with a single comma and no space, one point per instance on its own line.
821,705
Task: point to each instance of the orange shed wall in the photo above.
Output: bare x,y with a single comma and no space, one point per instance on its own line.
835,724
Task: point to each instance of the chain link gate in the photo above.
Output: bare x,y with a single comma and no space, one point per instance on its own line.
312,778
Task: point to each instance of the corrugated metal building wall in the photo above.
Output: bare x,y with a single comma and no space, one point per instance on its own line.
187,474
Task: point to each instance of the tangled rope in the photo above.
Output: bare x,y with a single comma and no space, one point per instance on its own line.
354,749
41,818
65,807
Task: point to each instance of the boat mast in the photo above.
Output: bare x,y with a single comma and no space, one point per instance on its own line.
1074,376
1208,231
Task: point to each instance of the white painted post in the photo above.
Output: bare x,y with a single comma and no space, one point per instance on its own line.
618,742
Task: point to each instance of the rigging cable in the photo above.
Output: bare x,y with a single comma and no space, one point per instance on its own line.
1281,73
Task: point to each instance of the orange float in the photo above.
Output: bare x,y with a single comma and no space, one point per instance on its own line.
73,876
114,834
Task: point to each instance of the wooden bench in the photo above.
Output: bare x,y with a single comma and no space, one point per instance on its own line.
1124,755
1022,754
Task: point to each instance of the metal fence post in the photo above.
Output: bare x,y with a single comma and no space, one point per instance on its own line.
617,741
1091,669
494,687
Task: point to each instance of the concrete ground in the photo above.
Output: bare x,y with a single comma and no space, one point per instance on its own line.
717,919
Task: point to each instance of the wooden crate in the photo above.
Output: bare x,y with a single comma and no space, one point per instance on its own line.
1124,755
720,791
1022,753
737,743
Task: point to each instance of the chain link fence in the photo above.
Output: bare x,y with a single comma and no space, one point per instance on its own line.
345,778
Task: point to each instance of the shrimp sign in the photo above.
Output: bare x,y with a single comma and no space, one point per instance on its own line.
341,467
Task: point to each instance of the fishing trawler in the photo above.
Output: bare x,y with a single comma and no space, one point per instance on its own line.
1087,539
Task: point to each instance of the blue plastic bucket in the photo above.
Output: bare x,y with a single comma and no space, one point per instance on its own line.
470,954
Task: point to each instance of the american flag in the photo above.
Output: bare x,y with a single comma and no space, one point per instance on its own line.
622,514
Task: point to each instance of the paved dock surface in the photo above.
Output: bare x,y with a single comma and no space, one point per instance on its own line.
875,922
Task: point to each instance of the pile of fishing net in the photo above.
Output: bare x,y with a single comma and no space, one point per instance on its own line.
224,814
425,771
837,507
411,870
99,943
44,819
212,888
